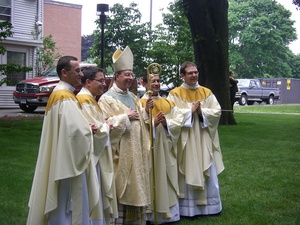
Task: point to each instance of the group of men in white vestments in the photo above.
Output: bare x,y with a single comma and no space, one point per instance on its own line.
98,165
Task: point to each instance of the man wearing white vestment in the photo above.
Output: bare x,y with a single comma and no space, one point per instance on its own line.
199,153
65,189
93,83
129,142
167,121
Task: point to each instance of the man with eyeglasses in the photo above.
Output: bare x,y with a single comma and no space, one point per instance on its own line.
93,85
199,153
129,141
65,187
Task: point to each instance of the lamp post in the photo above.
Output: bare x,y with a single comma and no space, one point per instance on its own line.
150,14
101,10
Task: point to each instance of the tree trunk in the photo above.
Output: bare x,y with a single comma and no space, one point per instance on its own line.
208,20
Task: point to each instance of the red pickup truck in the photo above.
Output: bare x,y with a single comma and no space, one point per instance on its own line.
34,92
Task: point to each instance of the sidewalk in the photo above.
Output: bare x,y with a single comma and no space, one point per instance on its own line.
19,112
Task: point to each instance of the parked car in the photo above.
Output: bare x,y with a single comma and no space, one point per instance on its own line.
34,92
251,90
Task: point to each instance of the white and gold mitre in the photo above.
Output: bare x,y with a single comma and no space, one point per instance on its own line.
122,60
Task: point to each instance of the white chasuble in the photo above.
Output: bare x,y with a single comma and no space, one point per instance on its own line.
64,160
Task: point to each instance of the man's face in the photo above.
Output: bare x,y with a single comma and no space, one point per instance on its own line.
155,85
97,85
191,76
125,79
73,76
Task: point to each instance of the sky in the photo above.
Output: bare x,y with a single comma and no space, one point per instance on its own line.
89,8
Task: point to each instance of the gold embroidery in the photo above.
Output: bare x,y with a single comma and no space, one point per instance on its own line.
59,95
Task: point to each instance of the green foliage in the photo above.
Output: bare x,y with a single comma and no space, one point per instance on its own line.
294,63
12,68
46,55
123,28
172,43
86,42
5,32
259,34
168,44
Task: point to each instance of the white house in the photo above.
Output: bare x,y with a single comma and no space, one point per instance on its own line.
26,17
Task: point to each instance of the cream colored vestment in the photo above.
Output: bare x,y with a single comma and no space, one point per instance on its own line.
165,153
198,147
130,145
65,152
102,151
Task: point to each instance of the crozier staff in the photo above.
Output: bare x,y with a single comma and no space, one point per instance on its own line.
166,124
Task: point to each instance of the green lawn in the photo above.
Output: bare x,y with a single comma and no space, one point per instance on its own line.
260,184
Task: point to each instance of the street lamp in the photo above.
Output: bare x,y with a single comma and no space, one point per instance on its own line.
101,10
150,14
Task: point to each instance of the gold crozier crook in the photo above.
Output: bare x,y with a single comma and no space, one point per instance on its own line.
152,69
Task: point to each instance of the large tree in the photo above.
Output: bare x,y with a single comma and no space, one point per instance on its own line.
198,31
259,33
208,20
171,43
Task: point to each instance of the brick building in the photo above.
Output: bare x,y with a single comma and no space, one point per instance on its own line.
63,22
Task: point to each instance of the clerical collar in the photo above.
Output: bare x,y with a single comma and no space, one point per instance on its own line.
155,96
64,85
118,90
87,92
185,85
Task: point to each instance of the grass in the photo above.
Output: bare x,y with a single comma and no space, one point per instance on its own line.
18,150
260,184
291,108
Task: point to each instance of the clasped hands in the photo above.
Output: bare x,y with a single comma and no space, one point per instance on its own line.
196,107
160,118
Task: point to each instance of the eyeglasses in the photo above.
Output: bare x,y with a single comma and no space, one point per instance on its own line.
192,72
100,80
129,75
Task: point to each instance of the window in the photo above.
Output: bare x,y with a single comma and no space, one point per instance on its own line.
252,83
18,58
5,10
